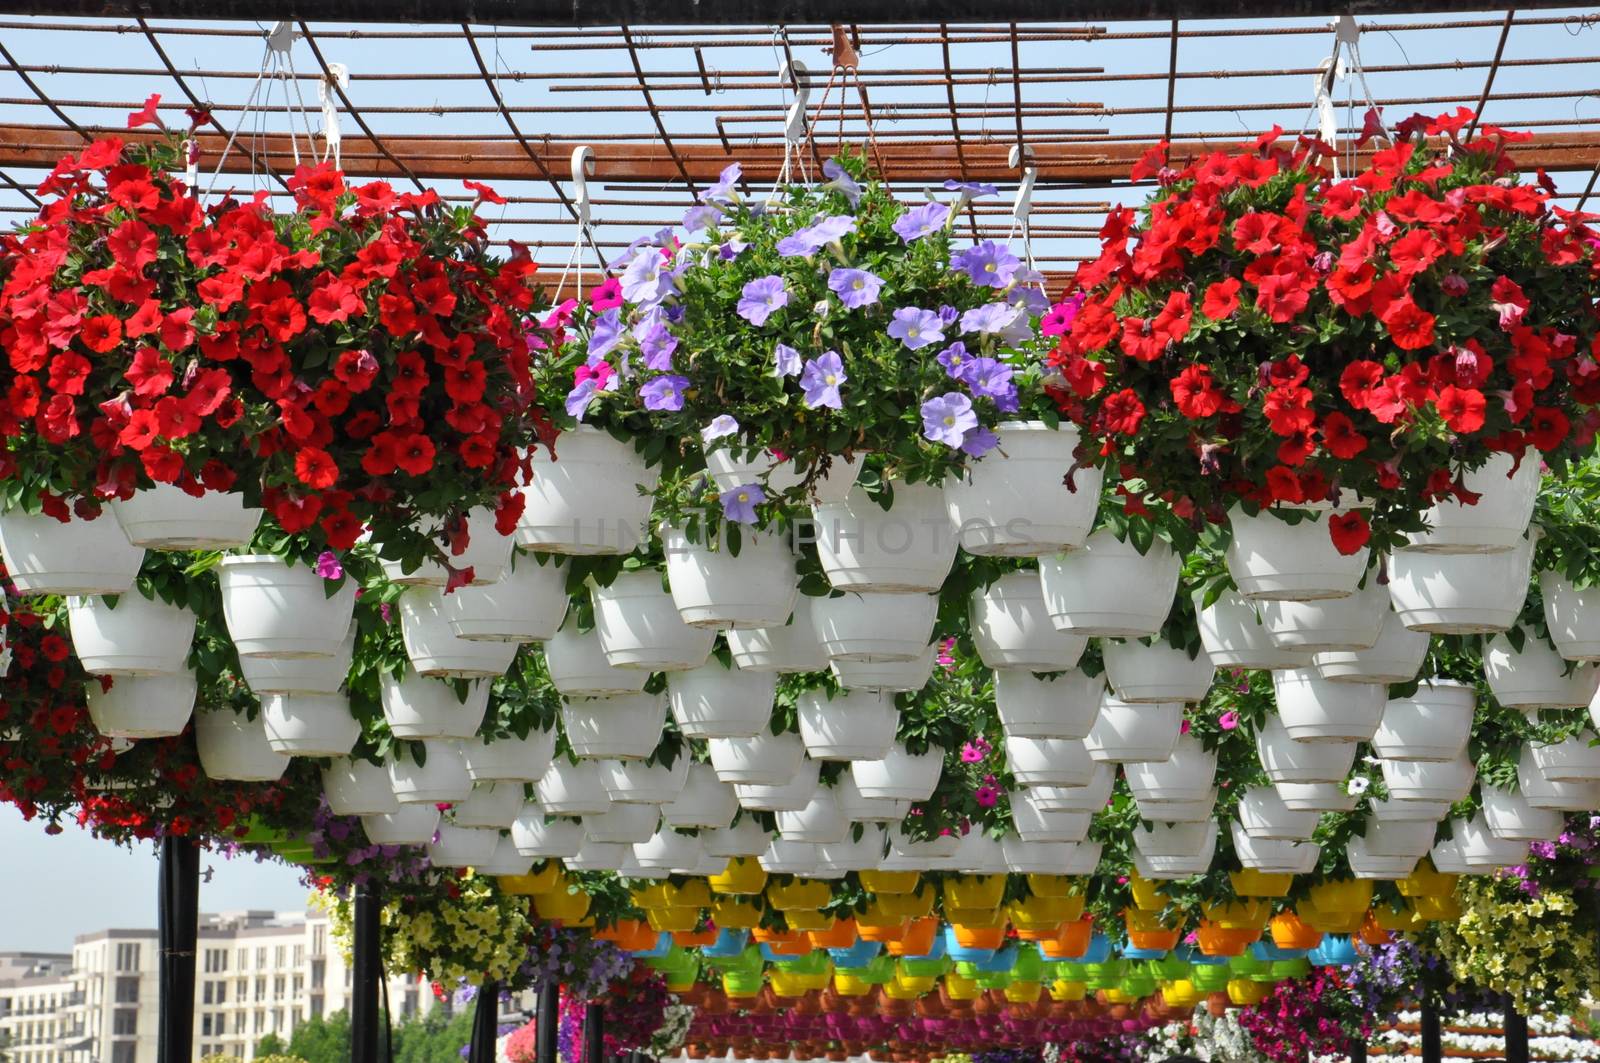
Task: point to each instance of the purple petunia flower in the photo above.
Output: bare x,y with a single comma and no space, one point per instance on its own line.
787,360
916,328
606,334
920,221
818,234
955,360
990,317
664,392
988,264
724,424
821,381
839,179
656,344
740,503
855,287
971,189
990,379
701,216
646,281
580,396
761,297
947,418
1029,298
948,315
979,441
731,250
722,191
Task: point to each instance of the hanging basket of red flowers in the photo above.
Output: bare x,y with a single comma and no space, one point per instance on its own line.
1265,331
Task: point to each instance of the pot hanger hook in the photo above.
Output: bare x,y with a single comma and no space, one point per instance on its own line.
582,170
795,74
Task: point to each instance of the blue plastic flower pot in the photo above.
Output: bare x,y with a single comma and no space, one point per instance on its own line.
856,956
1266,951
961,953
1336,950
662,946
1131,953
1099,950
729,943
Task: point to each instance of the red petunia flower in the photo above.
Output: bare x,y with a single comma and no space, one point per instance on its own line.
1410,326
1195,394
1349,531
1122,413
101,333
1547,428
315,468
415,454
1221,299
1461,408
1340,438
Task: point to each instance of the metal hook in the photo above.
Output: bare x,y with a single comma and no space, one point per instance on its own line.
282,37
794,72
582,170
1022,156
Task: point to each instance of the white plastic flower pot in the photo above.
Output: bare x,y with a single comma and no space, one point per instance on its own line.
1492,524
153,706
579,669
1481,850
1271,559
509,758
300,675
1313,709
978,854
1158,672
462,846
1428,780
717,588
236,748
1012,628
1572,760
1036,824
1432,724
1187,775
592,497
623,728
936,850
1048,761
1572,615
1353,622
1461,594
1536,677
434,647
855,854
622,824
1060,706
1109,589
1264,816
714,701
703,801
1195,810
1089,798
492,805
1411,838
785,857
886,677
140,636
1274,856
418,706
1317,797
1234,636
1013,502
852,725
867,809
733,466
1395,657
526,604
544,838
595,855
1390,810
1578,795
310,725
572,789
1286,760
358,788
667,850
746,838
640,627
506,861
487,554
45,556
1127,733
441,777
764,759
166,517
274,609
1511,817
875,627
905,549
788,647
790,795
641,783
819,821
1365,864
900,776
406,825
1049,858
1177,839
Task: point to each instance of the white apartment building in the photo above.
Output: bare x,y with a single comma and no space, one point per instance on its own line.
256,972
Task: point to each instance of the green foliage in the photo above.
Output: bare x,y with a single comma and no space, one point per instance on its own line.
270,1045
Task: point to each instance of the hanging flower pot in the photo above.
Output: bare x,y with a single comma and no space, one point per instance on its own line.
1312,709
1571,760
1048,761
819,821
1511,817
747,838
1413,780
1461,594
1407,838
790,795
487,555
621,824
703,801
1089,798
300,675
638,782
154,706
1271,559
140,636
1536,676
508,758
1012,628
543,838
853,854
1506,488
526,604
166,517
1036,824
864,809
1390,810
640,627
440,775
592,497
1109,589
233,746
491,805
358,788
1264,816
1234,636
905,549
764,759
506,863
1572,615
1575,795
406,825
900,776
667,850
852,725
1142,674
717,588
310,725
784,857
1014,503
790,647
417,706
715,701
1353,622
579,669
459,846
1059,706
885,677
434,647
1125,732
274,609
1316,796
1481,850
1394,658
1274,857
875,627
1286,760
1432,724
46,556
627,727
595,855
1187,775
732,467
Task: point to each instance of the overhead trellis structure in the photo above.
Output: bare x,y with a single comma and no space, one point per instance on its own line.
665,108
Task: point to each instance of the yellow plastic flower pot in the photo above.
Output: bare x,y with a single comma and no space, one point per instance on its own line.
534,883
1180,993
1252,883
1329,922
921,983
1395,918
1115,995
734,914
1239,915
650,896
1044,913
1024,992
1052,885
903,905
743,877
815,979
1437,909
881,882
894,989
959,988
1247,991
1426,882
694,893
674,920
562,905
1349,897
1146,894
1138,920
810,893
784,983
976,917
847,984
974,891
807,919
1062,990
737,989
682,986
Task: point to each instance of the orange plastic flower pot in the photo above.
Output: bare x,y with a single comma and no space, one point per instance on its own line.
1157,940
841,935
766,935
1372,933
1288,932
979,937
691,939
917,939
797,947
623,932
1217,940
881,932
1072,942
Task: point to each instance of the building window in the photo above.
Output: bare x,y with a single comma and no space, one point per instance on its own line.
127,990
408,1006
216,961
261,989
127,956
298,986
238,1022
205,1028
299,956
278,955
261,959
319,940
123,1052
277,987
125,1022
318,973
243,959
316,1007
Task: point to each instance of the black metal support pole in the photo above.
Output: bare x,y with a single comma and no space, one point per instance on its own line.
177,928
1358,1051
1431,1048
594,1033
549,1019
1516,1027
485,1024
366,975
